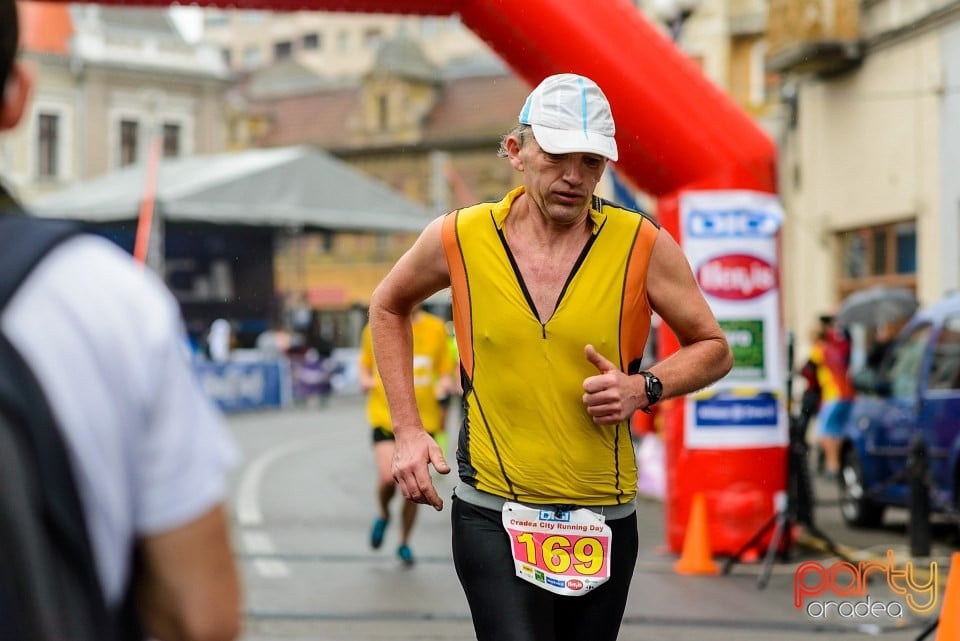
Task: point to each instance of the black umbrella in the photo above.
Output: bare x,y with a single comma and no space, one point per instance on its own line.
877,306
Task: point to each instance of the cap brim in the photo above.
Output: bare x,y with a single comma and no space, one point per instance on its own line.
565,141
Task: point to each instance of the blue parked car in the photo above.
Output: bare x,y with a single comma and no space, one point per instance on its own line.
915,391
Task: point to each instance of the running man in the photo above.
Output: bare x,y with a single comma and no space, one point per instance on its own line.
553,291
432,378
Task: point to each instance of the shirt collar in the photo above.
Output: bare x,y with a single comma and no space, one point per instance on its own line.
502,209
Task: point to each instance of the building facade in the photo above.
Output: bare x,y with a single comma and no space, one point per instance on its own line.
112,83
870,162
334,44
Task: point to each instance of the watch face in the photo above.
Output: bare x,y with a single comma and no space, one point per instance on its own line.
654,387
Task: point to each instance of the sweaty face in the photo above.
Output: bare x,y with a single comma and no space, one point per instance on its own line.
561,185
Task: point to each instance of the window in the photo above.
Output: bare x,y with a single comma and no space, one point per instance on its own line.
383,112
48,142
216,19
372,39
128,142
904,366
945,365
343,41
227,56
429,27
880,255
282,49
905,244
758,73
311,41
171,140
251,56
382,246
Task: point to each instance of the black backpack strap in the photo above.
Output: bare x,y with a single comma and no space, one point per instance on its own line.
26,411
24,241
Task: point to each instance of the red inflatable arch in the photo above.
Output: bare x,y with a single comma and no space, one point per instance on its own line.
676,132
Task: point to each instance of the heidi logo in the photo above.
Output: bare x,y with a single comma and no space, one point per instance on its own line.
737,277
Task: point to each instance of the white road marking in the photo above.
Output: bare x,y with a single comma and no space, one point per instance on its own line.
248,492
257,542
271,568
248,509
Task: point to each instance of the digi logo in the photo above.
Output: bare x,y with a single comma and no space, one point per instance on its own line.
729,223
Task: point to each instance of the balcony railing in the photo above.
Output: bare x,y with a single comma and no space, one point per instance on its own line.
814,36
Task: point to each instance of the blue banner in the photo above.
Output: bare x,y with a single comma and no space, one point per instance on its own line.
236,386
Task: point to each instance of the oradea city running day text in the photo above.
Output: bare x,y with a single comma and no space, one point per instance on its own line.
849,581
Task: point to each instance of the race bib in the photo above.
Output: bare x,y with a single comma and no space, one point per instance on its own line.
563,552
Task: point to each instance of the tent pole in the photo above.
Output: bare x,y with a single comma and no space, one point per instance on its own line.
145,221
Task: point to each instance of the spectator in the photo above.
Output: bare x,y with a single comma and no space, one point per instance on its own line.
831,355
150,454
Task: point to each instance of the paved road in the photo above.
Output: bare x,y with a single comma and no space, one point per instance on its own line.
302,506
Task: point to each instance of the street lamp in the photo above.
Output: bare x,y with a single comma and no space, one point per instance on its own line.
674,14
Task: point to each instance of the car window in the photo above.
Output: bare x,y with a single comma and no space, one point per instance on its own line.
904,363
945,368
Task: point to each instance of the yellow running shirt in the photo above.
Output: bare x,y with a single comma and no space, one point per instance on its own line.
526,435
431,360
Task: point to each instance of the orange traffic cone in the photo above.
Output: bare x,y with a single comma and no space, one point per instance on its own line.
695,558
949,627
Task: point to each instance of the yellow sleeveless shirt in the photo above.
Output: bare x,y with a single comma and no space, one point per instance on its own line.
526,434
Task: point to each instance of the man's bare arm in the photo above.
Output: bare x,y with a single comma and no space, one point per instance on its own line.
704,355
187,583
419,273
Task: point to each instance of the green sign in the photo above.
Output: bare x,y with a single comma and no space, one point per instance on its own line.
745,338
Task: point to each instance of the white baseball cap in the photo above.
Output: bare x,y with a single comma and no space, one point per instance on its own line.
570,114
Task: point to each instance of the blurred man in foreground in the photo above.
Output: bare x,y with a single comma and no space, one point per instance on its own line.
148,452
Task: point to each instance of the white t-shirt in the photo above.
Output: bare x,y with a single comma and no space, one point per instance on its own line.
105,339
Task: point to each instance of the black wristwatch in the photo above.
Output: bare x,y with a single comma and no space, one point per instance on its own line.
654,387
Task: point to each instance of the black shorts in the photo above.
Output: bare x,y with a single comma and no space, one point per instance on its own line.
507,608
380,434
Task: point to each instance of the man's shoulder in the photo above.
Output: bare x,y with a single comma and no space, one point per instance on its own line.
89,280
608,207
484,207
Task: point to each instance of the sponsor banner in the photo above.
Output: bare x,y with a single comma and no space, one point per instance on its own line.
746,339
730,239
734,419
236,386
